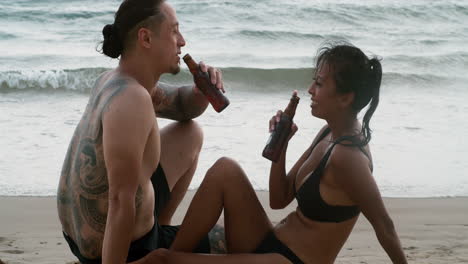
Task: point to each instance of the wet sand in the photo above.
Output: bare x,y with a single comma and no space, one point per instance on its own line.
432,230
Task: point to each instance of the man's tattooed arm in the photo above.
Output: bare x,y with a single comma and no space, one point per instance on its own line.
217,240
178,103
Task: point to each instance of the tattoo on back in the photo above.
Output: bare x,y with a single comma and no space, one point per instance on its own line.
139,198
83,190
90,168
93,185
94,217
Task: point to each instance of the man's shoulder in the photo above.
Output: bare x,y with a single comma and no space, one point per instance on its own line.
113,81
113,85
124,96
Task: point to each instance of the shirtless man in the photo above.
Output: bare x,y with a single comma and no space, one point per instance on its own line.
123,177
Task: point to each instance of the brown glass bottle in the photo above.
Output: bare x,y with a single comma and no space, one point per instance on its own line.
203,82
279,136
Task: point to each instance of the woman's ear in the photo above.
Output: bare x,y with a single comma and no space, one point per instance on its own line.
346,100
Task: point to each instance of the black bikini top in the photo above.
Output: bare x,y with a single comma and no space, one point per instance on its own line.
309,199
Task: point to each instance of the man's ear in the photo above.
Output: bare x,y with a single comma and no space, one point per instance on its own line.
144,37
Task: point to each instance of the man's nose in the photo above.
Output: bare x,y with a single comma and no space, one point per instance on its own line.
181,41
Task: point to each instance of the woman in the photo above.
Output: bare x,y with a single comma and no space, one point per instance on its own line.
332,182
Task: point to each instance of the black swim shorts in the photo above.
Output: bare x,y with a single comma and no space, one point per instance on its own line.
160,236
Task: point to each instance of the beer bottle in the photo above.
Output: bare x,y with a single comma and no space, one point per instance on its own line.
203,82
279,136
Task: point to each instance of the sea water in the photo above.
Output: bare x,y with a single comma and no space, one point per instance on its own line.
265,49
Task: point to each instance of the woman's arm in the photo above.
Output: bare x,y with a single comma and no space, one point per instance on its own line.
282,184
350,168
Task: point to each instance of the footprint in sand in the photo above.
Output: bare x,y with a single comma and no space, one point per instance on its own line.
445,250
410,248
13,251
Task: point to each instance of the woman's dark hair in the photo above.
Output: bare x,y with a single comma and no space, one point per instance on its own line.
132,15
354,72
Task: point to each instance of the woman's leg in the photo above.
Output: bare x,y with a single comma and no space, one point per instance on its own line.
225,186
163,256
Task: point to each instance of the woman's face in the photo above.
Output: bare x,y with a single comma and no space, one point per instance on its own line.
325,99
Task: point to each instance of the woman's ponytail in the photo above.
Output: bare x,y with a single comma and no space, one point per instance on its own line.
373,82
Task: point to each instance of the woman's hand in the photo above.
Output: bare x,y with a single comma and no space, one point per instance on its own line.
276,119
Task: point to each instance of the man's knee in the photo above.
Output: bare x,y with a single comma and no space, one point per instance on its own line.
182,137
192,130
192,127
196,132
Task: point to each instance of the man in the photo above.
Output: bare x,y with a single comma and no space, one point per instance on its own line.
123,177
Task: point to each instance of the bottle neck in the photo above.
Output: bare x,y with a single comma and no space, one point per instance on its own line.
192,65
291,108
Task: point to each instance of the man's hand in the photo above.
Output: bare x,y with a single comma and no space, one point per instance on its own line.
215,75
185,102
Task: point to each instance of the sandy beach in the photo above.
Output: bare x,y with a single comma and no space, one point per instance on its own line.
432,230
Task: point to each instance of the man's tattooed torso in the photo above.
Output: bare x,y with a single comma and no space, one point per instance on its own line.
82,196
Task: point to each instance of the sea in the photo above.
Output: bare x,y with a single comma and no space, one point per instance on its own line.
49,60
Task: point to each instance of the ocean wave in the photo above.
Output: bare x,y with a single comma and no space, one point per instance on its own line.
5,36
449,64
81,14
272,34
243,79
80,80
395,79
288,36
414,10
344,12
55,17
445,57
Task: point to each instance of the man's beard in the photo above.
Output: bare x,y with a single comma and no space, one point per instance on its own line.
175,70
